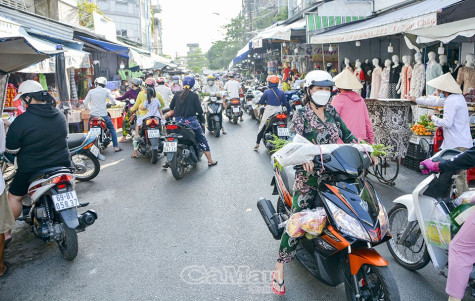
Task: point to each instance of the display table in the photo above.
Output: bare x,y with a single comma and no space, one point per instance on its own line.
116,118
390,119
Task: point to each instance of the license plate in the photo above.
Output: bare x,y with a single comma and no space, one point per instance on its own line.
95,131
298,107
235,109
153,133
95,150
170,147
65,200
283,132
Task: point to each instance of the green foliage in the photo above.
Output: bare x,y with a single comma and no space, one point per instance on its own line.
86,10
278,143
196,61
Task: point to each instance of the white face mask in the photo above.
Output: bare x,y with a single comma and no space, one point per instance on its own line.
321,97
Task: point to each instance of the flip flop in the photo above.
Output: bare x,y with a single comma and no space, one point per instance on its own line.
279,284
225,133
8,241
212,164
6,271
134,156
256,148
118,150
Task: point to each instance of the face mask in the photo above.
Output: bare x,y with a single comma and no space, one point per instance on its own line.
175,81
442,95
210,83
321,98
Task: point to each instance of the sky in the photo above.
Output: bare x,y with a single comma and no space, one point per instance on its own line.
194,21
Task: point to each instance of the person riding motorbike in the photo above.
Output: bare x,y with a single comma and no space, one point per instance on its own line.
130,94
319,123
213,90
232,88
186,105
37,139
274,101
166,92
154,108
176,87
98,99
462,246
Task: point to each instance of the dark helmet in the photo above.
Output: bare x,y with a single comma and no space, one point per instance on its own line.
188,82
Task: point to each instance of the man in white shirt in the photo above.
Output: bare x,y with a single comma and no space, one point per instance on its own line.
166,92
98,99
232,88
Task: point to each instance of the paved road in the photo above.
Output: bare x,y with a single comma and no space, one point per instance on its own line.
159,239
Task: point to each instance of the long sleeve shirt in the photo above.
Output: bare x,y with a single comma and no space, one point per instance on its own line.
463,161
98,99
141,98
455,122
131,94
274,97
187,108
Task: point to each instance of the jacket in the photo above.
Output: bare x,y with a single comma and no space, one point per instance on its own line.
465,160
352,109
269,98
140,99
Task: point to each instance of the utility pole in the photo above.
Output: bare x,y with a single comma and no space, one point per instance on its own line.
249,11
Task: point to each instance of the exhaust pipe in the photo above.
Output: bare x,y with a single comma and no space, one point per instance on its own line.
271,218
86,219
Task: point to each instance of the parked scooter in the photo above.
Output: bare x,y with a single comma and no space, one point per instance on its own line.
97,127
150,144
52,213
213,114
276,126
233,110
356,221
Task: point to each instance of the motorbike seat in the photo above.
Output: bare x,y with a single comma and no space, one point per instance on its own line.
74,140
288,177
49,172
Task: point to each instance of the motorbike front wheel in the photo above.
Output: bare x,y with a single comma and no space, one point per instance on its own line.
87,166
69,245
411,253
178,170
375,283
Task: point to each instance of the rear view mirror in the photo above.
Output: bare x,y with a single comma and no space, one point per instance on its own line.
425,147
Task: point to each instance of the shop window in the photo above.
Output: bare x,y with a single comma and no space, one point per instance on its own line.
21,5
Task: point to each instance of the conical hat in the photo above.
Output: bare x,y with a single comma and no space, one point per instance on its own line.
446,83
347,80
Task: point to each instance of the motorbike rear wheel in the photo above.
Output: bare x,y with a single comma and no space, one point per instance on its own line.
178,170
89,161
235,119
154,156
376,283
69,245
414,243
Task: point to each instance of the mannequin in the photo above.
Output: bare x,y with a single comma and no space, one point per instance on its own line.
405,79
394,77
433,70
347,64
455,72
367,74
443,63
418,77
385,75
375,79
359,73
466,74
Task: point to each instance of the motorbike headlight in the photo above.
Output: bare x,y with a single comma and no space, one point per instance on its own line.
347,224
383,219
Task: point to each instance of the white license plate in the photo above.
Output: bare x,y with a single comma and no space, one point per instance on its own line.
235,109
153,133
95,150
283,132
65,200
298,107
170,147
95,131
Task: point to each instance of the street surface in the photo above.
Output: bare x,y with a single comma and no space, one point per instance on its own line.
194,239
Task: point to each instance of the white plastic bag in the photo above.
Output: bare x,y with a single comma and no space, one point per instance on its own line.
437,227
466,197
311,221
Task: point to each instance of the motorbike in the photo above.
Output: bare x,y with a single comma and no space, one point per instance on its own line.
52,213
418,237
276,126
132,116
247,103
356,222
84,154
97,127
294,98
213,114
150,144
233,110
180,148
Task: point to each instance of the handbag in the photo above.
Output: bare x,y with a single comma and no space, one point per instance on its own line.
438,139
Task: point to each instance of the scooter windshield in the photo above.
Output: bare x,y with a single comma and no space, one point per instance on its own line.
348,160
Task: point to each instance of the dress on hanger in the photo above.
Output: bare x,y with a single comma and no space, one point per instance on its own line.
394,75
406,75
466,76
417,80
384,90
359,73
375,83
433,71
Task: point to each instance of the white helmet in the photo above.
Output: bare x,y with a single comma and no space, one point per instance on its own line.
318,78
29,86
101,81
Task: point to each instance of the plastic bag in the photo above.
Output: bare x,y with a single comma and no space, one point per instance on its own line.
311,221
437,227
466,197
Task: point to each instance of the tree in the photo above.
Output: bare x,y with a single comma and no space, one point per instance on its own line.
196,61
86,10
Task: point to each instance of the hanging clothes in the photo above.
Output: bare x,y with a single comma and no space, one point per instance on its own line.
384,89
406,75
375,82
417,80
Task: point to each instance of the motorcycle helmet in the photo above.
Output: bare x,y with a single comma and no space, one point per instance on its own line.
161,81
321,79
150,82
176,77
274,79
136,82
100,81
27,87
210,80
188,82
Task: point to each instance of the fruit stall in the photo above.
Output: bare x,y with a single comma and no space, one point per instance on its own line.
424,128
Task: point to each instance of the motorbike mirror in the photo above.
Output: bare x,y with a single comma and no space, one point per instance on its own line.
425,146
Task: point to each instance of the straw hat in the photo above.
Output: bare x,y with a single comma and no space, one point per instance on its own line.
446,83
347,80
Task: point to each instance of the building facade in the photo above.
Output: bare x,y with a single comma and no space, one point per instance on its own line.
60,10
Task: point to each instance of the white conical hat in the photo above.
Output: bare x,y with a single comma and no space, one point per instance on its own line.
446,83
347,80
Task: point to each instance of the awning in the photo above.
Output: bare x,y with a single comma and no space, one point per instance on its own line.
279,32
445,32
142,60
119,49
73,59
242,54
419,15
18,49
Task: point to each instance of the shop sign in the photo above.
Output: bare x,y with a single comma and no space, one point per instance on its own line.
9,29
308,52
377,31
257,44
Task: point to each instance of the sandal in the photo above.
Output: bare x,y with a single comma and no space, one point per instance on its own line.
118,150
8,241
165,165
5,272
256,148
212,164
134,156
279,293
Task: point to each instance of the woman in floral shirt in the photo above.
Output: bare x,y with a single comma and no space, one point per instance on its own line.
319,123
